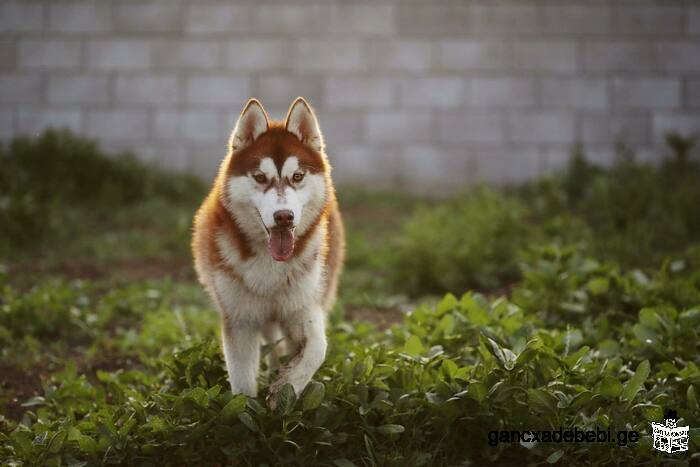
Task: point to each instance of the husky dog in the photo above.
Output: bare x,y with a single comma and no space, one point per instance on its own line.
269,244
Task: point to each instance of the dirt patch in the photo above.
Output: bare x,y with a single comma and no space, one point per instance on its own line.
382,317
177,268
18,385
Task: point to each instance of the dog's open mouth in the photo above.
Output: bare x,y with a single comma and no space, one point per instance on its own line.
280,242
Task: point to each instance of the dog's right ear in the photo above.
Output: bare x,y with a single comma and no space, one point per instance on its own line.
251,124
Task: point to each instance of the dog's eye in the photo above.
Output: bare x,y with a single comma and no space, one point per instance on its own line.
260,178
297,177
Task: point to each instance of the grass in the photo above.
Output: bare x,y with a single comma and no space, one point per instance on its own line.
572,301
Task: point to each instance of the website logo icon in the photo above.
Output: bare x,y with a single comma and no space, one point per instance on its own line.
668,437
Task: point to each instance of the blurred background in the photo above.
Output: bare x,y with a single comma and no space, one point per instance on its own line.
525,171
425,96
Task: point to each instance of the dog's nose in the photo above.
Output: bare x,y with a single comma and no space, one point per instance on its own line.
284,218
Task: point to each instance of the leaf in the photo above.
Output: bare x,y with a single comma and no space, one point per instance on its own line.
248,421
313,395
505,356
690,319
449,368
636,382
448,303
390,429
610,387
477,391
286,398
475,313
413,346
692,399
554,457
541,401
234,407
598,285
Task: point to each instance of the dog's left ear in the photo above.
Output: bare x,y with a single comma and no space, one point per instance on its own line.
302,122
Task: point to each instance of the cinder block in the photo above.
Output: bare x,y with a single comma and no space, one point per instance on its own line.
692,96
20,89
258,54
21,16
471,128
301,18
685,124
503,164
48,54
78,89
341,128
473,55
605,128
400,127
356,93
158,16
435,19
363,19
544,55
205,159
279,91
400,55
646,93
218,90
501,92
512,17
541,127
679,56
365,165
117,125
613,55
119,54
433,169
441,93
32,121
173,156
575,93
188,54
329,55
147,89
657,19
577,19
219,17
7,124
694,20
191,125
8,55
80,17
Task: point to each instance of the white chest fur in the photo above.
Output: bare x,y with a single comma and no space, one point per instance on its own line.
266,289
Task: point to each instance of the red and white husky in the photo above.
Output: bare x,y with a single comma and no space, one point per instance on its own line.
268,245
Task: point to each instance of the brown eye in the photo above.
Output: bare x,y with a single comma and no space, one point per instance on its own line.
297,177
260,178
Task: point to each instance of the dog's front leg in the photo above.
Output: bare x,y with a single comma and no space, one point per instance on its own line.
242,352
307,337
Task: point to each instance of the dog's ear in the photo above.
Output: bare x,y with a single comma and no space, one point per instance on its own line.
302,122
251,124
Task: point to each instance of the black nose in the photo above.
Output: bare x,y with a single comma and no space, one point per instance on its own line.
284,218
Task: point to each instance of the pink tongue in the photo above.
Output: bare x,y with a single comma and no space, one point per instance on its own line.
281,244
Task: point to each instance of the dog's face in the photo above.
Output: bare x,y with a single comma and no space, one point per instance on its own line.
277,176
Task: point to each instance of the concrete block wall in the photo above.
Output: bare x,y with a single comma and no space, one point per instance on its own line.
411,94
